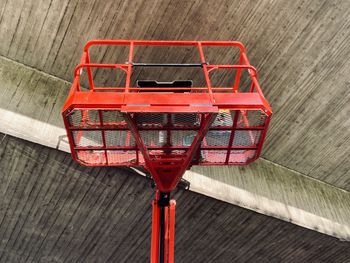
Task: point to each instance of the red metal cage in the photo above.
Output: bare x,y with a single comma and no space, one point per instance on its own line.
164,127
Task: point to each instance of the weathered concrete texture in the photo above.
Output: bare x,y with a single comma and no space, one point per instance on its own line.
32,93
273,190
299,47
30,105
33,115
53,210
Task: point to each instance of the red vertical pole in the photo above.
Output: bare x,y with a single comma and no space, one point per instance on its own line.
232,135
89,73
103,136
166,234
169,231
171,246
155,231
128,74
238,75
205,70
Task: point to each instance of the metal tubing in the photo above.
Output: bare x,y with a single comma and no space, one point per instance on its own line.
98,65
166,234
163,43
190,128
171,248
129,66
103,136
206,73
89,72
238,76
155,231
175,65
232,135
163,230
162,234
90,148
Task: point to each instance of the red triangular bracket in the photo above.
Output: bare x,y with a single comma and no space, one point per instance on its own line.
165,168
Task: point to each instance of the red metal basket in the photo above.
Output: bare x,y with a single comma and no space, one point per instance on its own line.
166,129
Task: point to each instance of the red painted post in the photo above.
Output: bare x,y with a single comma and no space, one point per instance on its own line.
155,230
172,230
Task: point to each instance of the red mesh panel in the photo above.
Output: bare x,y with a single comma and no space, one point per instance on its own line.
251,118
75,118
121,157
91,157
246,138
182,138
119,138
224,118
185,119
213,156
84,138
233,138
217,138
241,156
113,118
150,119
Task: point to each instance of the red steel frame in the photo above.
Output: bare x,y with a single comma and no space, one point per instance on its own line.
206,101
169,233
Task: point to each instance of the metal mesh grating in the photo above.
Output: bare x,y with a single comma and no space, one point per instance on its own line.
154,138
87,138
91,157
151,119
160,138
219,156
251,118
246,138
217,138
241,156
113,117
213,156
164,119
185,119
92,117
182,138
121,157
84,118
224,118
119,138
75,118
168,130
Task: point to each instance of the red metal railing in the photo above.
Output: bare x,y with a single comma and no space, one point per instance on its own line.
243,64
